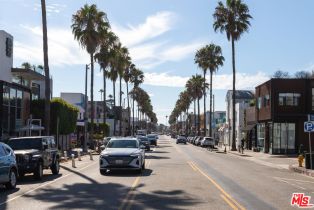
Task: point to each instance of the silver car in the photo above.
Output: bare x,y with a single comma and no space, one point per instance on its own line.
122,154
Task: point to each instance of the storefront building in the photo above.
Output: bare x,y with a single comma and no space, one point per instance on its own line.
282,106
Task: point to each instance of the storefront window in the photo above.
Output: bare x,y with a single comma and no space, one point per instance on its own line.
276,137
6,95
312,98
12,97
284,138
260,135
289,99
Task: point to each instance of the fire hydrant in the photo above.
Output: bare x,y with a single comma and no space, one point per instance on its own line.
300,160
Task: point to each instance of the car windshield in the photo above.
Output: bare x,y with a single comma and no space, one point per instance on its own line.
122,144
25,143
143,139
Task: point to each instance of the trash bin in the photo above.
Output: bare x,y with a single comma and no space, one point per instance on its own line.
308,160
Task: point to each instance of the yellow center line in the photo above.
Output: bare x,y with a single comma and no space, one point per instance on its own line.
192,166
128,200
218,186
228,202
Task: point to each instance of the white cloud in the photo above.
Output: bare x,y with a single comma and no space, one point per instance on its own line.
147,53
62,48
50,8
153,54
154,26
220,82
164,79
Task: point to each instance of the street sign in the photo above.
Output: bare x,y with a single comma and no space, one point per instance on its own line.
309,126
310,117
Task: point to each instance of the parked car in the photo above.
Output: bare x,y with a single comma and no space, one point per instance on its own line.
144,141
195,139
33,154
8,167
208,142
122,154
181,139
106,140
152,139
198,141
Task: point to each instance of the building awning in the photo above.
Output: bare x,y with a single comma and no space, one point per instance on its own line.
31,127
248,127
27,74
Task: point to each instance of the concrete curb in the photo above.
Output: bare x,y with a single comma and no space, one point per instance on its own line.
238,154
301,170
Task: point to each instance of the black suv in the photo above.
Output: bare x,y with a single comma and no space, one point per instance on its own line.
33,154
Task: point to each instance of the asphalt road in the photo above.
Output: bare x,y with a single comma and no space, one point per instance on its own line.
177,177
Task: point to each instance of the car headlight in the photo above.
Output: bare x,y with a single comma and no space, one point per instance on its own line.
104,155
136,155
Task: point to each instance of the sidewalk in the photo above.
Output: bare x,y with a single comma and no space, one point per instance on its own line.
274,161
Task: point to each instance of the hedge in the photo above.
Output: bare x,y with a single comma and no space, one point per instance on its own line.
67,114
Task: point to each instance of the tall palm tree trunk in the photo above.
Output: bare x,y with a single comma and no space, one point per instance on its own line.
114,106
198,118
194,116
105,90
233,146
120,115
210,103
92,96
129,112
204,103
133,130
46,66
138,115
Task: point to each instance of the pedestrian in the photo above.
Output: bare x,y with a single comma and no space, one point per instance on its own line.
242,145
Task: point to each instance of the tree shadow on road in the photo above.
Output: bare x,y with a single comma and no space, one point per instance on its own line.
96,195
109,196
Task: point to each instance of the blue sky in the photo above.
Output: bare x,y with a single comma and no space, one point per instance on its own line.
162,37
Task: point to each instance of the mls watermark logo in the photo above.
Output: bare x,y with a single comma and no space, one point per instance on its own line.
301,200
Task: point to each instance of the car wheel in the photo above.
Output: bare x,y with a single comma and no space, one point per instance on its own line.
55,168
143,166
38,174
103,172
12,182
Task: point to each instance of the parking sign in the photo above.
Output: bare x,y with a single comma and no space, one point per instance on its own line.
309,126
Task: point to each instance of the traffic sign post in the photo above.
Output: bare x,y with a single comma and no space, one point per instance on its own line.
309,127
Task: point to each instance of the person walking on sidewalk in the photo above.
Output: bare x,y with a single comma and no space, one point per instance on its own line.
242,145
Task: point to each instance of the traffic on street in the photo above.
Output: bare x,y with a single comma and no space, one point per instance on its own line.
176,176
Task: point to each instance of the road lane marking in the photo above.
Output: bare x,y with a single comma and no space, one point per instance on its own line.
192,166
128,200
46,184
228,202
218,186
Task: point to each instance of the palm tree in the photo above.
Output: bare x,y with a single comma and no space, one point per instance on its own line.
195,86
126,77
88,25
136,77
123,60
103,57
26,65
210,58
233,19
46,67
200,59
